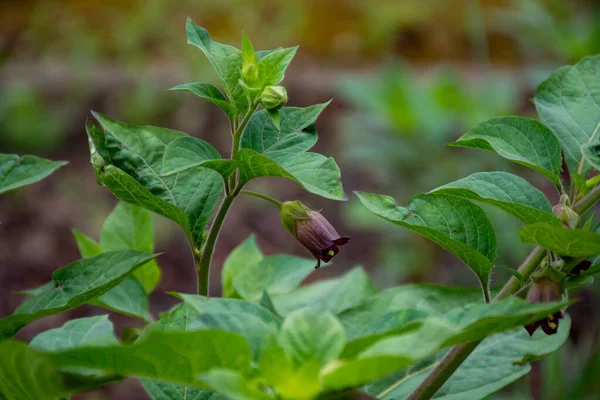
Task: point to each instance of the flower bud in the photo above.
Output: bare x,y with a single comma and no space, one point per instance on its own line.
312,230
545,290
567,216
273,97
249,72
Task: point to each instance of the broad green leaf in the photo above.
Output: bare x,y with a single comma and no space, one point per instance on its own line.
455,224
249,320
268,150
462,325
591,153
190,152
129,297
92,331
334,295
18,171
312,335
509,192
243,256
73,285
27,374
567,102
210,93
235,386
130,227
227,62
137,152
564,241
172,356
522,140
506,357
271,68
199,313
160,390
273,274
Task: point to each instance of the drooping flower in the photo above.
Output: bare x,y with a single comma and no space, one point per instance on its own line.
545,290
312,230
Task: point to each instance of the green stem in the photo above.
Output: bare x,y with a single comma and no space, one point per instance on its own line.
262,196
455,357
203,260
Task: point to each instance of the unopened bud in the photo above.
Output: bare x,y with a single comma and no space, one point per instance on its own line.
567,216
273,97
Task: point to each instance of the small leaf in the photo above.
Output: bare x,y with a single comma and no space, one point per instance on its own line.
73,285
272,67
506,191
129,297
190,152
227,62
580,185
92,331
567,102
179,357
516,274
577,282
130,227
563,241
591,153
18,171
334,295
161,390
234,385
522,140
312,335
274,274
246,254
210,93
455,224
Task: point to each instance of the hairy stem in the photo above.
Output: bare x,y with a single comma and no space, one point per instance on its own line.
262,196
455,357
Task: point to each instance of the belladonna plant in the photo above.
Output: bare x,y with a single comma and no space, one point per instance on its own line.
270,338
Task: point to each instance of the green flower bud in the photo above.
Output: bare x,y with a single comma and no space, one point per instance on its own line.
567,216
250,72
273,97
312,230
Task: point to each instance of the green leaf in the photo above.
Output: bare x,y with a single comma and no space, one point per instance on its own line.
455,224
567,102
268,150
312,335
179,357
506,358
129,297
235,386
509,192
271,68
334,295
462,325
18,171
27,374
188,197
560,240
591,153
274,274
189,152
249,320
160,390
227,62
210,93
244,255
522,140
130,227
73,285
81,332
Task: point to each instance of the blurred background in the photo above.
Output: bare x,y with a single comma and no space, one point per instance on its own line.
407,77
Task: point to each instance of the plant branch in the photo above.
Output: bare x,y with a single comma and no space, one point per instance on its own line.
262,196
455,357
